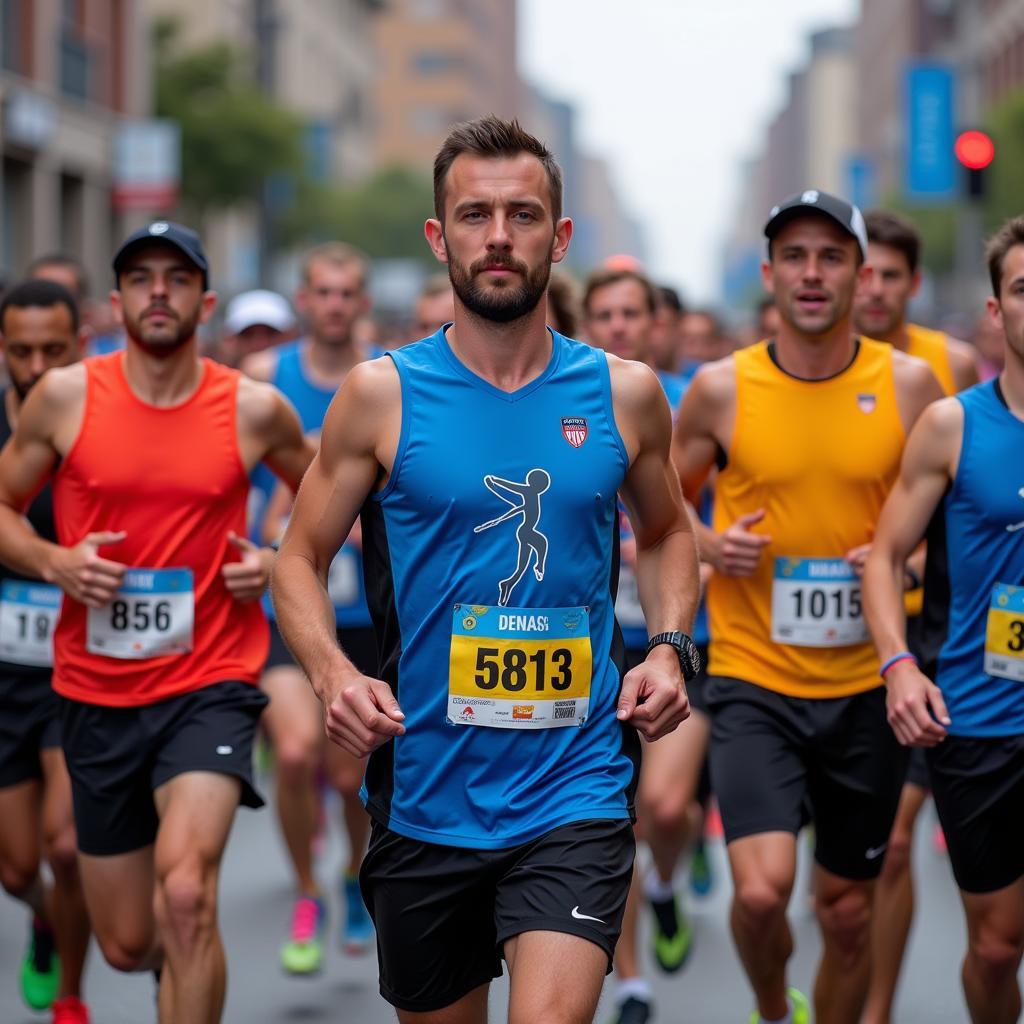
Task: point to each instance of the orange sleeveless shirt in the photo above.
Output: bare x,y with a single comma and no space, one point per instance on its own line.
173,480
819,457
930,346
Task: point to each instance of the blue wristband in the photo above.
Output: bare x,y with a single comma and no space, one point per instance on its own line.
902,656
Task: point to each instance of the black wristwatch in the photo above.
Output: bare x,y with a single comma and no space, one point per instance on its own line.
686,649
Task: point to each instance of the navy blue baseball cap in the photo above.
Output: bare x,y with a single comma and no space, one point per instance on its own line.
165,232
814,201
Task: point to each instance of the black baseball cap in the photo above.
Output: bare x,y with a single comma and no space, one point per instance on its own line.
165,232
813,200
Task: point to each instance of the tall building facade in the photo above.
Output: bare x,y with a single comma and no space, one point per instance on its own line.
70,76
440,62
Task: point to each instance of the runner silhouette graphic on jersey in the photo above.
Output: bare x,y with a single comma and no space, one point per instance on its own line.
530,539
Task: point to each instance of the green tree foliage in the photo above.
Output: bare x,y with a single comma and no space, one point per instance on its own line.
937,225
232,136
383,216
1004,192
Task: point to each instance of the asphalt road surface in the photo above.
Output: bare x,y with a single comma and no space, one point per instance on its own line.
255,910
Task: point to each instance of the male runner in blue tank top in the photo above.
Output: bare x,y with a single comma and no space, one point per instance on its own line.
503,732
962,485
331,299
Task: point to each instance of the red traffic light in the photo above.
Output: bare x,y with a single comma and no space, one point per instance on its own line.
974,149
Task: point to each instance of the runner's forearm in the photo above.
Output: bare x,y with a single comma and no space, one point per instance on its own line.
305,617
883,603
668,580
21,548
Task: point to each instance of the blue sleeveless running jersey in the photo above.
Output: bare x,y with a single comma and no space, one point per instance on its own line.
974,579
491,558
311,401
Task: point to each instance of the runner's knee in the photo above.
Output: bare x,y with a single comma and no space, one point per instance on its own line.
125,952
897,856
60,846
186,901
996,956
845,920
18,878
760,903
665,809
297,758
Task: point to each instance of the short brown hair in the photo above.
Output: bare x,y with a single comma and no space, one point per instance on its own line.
602,278
886,228
492,137
1009,235
338,254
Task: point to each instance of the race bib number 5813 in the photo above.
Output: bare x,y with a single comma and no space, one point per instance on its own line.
1004,633
519,668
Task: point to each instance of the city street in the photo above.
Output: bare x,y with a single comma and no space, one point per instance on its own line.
255,907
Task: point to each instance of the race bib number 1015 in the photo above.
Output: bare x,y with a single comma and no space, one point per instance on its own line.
816,603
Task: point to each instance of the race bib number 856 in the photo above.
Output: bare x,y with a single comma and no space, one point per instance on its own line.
519,668
151,615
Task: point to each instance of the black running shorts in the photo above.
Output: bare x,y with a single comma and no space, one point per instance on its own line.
29,722
443,913
978,785
117,757
777,761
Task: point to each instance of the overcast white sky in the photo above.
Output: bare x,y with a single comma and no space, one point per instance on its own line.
674,94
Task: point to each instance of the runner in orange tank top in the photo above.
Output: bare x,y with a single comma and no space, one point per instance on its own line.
880,310
808,430
161,637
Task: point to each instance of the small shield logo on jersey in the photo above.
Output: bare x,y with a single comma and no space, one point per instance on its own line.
574,430
866,403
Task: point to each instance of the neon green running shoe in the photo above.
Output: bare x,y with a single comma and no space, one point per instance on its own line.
40,970
673,934
303,953
799,1008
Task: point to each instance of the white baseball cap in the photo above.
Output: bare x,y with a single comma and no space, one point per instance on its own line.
259,307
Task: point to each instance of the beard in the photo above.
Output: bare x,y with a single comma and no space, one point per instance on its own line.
502,302
166,339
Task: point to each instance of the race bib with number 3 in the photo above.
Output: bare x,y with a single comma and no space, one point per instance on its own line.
519,668
28,617
150,616
1004,633
816,603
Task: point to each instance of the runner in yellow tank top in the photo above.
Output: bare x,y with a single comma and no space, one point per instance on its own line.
809,428
880,310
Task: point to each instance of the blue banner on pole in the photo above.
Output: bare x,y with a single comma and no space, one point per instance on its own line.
860,178
929,115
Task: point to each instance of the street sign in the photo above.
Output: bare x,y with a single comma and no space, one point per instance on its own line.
147,165
929,166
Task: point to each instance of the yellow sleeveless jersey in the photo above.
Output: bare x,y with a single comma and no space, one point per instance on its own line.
930,346
819,457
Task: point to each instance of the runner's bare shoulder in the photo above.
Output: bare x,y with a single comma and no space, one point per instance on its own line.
259,404
714,385
54,407
259,365
634,384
